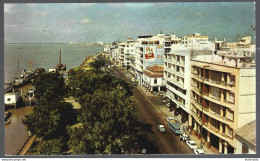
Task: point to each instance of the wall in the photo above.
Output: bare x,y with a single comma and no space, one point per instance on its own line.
247,97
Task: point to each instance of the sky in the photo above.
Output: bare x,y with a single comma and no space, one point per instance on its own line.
107,22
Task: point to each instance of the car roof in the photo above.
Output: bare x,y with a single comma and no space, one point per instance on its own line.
191,141
200,150
160,125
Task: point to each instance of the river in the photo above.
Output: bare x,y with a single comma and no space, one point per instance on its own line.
15,132
43,55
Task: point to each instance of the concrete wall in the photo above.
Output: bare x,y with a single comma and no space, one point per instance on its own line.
247,97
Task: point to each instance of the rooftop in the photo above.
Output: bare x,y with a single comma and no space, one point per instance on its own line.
154,71
248,132
237,59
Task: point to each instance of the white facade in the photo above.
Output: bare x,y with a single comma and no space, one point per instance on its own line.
177,76
11,98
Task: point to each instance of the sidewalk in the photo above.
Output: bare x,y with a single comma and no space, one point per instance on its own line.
27,145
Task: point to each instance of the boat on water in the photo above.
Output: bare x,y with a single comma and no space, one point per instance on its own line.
26,77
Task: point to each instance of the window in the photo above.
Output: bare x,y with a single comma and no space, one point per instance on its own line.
215,92
231,97
155,81
215,108
229,132
230,115
215,123
177,68
245,149
232,80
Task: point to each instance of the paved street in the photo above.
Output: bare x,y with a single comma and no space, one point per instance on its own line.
168,143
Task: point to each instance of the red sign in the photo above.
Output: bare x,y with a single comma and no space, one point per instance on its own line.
149,56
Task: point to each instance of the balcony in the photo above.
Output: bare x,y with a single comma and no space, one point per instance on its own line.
180,74
210,113
211,128
212,98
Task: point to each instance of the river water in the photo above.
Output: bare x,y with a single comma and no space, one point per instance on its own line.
43,55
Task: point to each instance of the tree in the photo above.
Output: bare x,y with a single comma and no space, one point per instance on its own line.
97,64
48,87
52,147
81,83
108,118
50,120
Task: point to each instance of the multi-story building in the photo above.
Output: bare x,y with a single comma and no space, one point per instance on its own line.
149,51
223,96
121,55
177,73
129,51
153,78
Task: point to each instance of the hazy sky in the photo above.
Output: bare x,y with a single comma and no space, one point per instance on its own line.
92,22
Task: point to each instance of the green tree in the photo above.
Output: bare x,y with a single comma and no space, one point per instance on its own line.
98,63
108,118
48,87
52,147
50,120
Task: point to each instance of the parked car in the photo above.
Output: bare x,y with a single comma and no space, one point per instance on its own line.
161,128
127,76
184,137
161,93
198,151
168,105
136,82
191,144
169,118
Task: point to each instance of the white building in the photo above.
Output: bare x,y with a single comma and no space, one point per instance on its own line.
11,98
177,71
149,51
121,54
129,52
153,78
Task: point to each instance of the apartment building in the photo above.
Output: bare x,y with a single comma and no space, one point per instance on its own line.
177,71
223,96
149,51
121,54
129,52
153,78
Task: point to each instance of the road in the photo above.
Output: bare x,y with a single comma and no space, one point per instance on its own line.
167,143
16,132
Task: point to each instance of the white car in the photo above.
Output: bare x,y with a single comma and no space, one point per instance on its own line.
184,137
198,151
169,118
168,104
161,128
191,144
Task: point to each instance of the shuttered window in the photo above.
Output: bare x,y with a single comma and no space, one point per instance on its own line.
229,132
230,115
